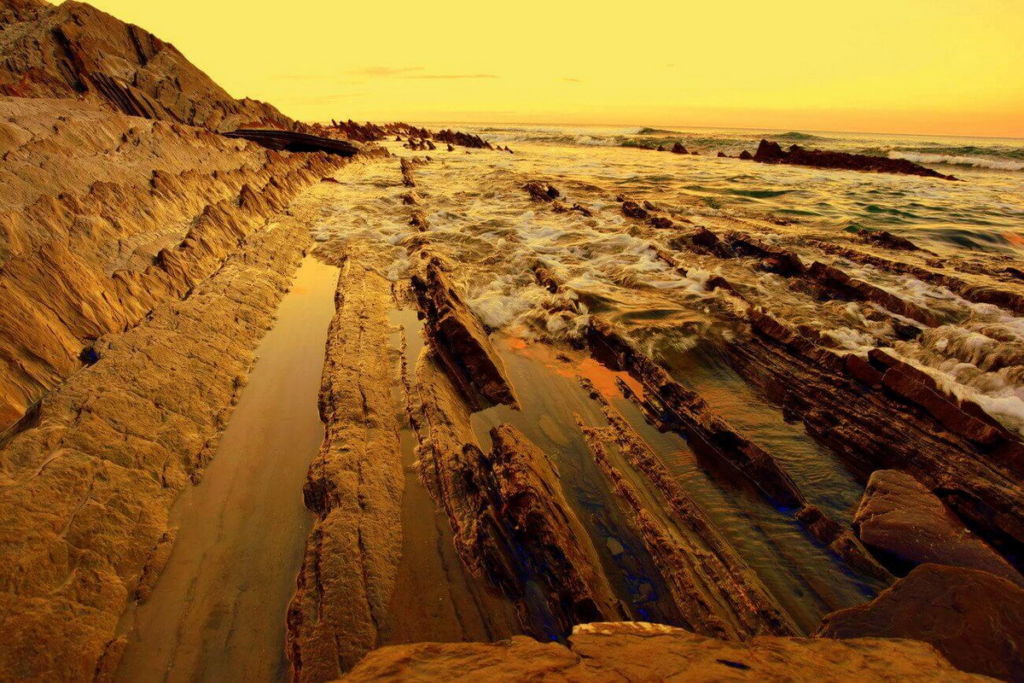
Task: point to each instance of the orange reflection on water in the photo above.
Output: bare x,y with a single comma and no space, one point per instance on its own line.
572,364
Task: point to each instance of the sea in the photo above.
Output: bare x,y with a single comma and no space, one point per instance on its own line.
984,212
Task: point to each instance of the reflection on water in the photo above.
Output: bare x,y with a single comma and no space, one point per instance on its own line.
217,612
494,236
806,578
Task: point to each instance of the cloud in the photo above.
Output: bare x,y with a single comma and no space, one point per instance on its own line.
412,72
571,80
385,70
451,76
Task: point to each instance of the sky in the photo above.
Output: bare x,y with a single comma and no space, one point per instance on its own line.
951,67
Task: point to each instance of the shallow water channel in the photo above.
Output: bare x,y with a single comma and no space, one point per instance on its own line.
217,612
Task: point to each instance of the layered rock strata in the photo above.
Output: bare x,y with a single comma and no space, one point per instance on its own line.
717,593
116,240
73,50
880,412
459,338
354,488
85,490
667,403
511,522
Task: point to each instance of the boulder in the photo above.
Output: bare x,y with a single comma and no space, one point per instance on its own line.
679,149
769,153
972,617
746,156
634,210
909,525
541,191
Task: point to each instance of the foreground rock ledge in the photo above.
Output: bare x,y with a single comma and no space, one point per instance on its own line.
635,651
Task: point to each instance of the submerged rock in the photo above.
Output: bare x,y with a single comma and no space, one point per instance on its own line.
634,210
541,191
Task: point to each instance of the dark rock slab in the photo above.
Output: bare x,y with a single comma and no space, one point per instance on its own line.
769,152
289,141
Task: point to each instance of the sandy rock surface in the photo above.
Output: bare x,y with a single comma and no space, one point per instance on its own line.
635,651
972,617
905,521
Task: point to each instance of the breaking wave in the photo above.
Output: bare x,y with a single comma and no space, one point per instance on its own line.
958,160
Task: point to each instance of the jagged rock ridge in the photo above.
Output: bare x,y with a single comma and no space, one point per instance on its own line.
74,50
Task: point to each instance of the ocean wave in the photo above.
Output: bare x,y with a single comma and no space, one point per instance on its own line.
1000,151
958,160
797,136
655,131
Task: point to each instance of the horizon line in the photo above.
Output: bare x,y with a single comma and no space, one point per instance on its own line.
667,128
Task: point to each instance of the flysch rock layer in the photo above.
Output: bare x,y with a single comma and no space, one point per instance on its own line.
633,651
354,487
716,592
73,50
511,522
85,491
111,216
459,338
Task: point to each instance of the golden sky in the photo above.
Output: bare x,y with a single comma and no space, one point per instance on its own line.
902,66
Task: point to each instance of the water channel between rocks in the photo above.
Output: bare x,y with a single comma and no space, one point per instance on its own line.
217,612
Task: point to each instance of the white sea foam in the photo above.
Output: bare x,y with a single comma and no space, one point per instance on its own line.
958,160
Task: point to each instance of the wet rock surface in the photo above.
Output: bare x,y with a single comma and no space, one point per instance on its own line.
639,651
458,337
88,487
972,617
354,488
904,521
553,394
772,153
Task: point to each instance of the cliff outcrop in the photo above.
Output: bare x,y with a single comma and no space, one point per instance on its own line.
74,50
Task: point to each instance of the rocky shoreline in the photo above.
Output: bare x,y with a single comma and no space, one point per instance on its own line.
532,445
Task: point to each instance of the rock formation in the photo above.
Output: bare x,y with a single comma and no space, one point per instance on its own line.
972,617
635,651
73,50
143,257
772,153
542,408
905,522
459,338
295,142
354,488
